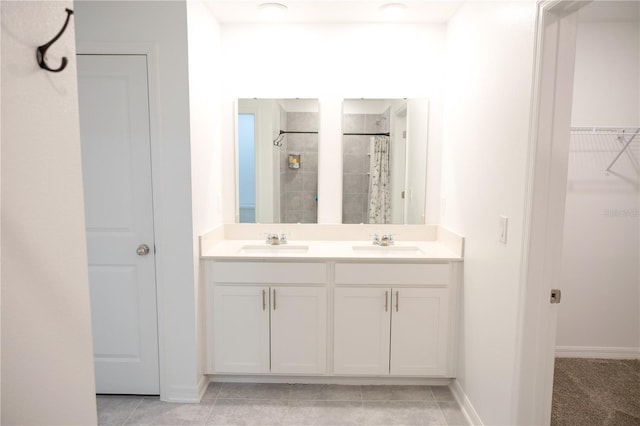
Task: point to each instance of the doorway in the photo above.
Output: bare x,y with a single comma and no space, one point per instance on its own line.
552,119
246,168
116,160
599,320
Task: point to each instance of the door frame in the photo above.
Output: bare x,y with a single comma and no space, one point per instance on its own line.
548,159
150,50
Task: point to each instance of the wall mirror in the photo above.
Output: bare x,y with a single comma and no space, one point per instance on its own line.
277,160
384,160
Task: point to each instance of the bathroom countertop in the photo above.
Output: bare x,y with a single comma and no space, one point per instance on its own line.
413,243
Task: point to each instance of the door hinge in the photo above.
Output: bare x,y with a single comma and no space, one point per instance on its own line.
556,295
402,195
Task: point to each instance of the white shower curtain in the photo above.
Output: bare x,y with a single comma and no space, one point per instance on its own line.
379,188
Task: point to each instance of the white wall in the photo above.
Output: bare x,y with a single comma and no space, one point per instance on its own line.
486,128
47,354
330,160
607,86
206,132
164,25
331,62
600,310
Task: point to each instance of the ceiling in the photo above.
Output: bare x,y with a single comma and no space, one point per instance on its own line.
610,11
368,11
332,11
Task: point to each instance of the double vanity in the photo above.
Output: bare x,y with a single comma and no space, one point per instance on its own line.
331,303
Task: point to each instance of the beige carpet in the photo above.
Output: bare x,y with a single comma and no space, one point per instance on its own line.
600,392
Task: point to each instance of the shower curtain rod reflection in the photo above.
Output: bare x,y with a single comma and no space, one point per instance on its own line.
278,141
367,134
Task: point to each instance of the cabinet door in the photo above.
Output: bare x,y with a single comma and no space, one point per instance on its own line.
419,331
298,330
362,327
241,329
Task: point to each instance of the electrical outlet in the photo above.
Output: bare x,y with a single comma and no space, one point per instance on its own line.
502,229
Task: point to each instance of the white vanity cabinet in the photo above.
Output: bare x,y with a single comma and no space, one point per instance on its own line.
258,327
362,327
240,329
419,324
396,331
394,319
332,317
298,330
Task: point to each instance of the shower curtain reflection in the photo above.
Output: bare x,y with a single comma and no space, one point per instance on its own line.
379,188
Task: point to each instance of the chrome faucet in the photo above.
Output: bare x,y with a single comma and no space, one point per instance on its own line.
384,240
275,239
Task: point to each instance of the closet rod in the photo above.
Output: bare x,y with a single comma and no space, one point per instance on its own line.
367,134
612,131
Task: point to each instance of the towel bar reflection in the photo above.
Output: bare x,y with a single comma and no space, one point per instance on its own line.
278,141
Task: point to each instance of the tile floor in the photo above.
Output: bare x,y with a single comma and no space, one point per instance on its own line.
284,404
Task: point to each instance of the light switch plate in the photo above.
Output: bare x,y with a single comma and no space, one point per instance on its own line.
502,229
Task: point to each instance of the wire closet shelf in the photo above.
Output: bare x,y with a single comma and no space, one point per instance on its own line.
616,140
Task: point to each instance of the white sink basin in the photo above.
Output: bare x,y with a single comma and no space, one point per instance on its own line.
268,250
388,251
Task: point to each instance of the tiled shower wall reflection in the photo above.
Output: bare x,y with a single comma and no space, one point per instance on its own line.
356,163
299,187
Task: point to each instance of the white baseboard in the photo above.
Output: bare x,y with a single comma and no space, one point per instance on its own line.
597,352
203,384
187,394
333,380
465,404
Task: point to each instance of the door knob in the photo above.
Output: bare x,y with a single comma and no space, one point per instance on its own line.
143,250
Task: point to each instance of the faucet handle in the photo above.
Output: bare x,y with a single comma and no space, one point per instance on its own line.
376,239
283,238
272,239
389,238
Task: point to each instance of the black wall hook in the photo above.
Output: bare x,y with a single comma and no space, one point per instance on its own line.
41,52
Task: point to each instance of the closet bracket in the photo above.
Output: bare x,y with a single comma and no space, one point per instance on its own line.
626,145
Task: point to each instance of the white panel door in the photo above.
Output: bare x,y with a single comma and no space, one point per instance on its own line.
114,124
419,328
241,329
362,327
298,330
